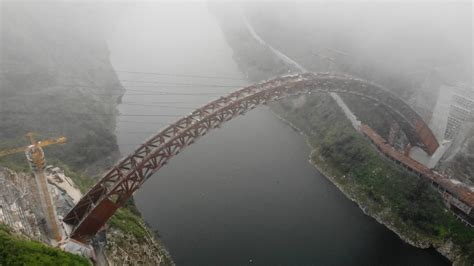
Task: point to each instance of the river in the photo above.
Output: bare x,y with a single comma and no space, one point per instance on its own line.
245,193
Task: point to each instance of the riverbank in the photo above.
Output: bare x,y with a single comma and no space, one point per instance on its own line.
363,184
405,204
17,249
322,167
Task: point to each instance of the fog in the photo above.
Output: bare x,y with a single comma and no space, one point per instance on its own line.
412,39
401,36
181,41
412,47
108,74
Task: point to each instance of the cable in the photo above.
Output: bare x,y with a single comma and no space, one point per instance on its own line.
72,86
118,115
142,122
168,84
147,73
160,91
175,83
159,102
141,115
164,106
153,82
136,132
161,94
180,86
178,75
165,94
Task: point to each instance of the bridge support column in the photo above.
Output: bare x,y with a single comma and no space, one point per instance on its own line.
394,129
95,221
407,150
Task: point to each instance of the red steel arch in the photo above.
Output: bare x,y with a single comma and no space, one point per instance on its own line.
119,183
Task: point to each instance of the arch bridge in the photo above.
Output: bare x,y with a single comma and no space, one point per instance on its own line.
94,209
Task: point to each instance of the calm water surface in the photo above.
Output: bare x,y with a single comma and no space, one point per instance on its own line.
245,193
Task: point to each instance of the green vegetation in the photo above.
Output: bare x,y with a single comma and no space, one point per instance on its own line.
15,164
16,161
15,250
69,90
255,60
127,221
88,125
407,201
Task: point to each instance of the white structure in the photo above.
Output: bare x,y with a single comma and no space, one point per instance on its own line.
454,107
461,110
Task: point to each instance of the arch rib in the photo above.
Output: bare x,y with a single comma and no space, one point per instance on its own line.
119,183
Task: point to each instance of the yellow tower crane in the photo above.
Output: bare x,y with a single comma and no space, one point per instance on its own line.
35,156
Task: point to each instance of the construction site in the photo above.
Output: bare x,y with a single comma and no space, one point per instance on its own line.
34,204
336,134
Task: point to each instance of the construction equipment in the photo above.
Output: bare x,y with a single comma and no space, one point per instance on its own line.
35,156
30,136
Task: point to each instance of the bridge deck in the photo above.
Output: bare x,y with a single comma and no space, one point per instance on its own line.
459,191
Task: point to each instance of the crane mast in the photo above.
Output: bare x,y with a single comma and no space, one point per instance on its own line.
35,156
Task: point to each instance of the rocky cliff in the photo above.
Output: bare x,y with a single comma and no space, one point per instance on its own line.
56,79
128,240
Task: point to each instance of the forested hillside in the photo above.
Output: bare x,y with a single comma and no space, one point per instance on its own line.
56,79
